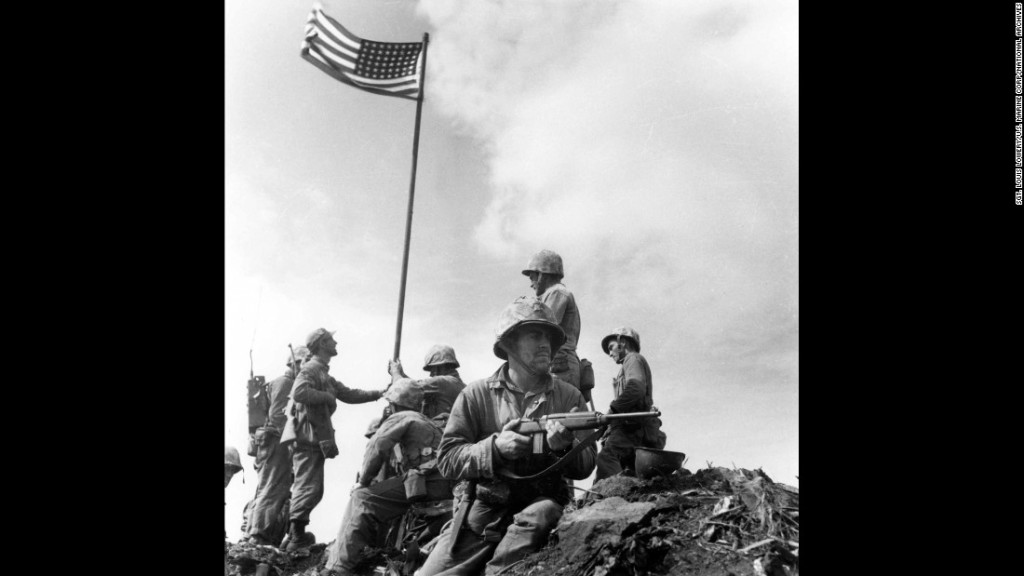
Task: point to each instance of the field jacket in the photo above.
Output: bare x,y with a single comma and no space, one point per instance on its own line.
468,450
314,399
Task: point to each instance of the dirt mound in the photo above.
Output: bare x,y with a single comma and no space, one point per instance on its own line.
715,522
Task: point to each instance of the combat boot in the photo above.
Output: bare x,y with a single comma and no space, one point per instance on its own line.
298,538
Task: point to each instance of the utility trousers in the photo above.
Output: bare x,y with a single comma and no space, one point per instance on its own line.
493,538
617,450
274,466
308,487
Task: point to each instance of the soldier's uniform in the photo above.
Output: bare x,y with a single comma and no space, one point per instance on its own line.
508,519
372,507
313,400
273,464
634,392
565,363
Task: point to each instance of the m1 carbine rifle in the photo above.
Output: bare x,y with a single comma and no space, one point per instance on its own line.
536,427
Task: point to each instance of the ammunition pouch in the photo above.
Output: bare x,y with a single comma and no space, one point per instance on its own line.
586,377
252,448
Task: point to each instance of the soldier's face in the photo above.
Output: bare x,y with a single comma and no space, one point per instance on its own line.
533,346
536,284
330,346
616,351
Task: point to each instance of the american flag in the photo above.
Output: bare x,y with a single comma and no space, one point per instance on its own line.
387,68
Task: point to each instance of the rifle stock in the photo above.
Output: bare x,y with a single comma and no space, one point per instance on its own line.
536,428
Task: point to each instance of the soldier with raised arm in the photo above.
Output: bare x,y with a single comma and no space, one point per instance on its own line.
309,429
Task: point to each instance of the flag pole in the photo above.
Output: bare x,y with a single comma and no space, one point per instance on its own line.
412,192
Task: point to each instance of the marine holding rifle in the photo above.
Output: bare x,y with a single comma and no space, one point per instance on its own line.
634,392
501,517
313,400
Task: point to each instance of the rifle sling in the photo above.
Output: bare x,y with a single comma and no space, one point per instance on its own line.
558,464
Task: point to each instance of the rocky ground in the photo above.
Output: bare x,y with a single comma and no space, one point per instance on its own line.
716,522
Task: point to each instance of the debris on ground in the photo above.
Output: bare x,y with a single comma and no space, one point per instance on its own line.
715,522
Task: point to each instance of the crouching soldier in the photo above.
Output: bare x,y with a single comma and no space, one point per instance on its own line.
444,383
372,507
502,517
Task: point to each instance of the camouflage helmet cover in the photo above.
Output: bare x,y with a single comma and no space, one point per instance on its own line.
231,457
545,261
625,332
526,310
315,336
405,392
439,354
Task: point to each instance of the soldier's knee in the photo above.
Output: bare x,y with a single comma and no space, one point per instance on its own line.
539,515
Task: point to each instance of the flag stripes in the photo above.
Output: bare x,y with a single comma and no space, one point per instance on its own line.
386,68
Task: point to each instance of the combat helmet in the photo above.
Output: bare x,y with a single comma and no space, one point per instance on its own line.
527,310
545,261
624,332
231,457
405,392
440,354
300,354
315,336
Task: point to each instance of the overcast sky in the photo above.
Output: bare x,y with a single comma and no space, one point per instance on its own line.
651,143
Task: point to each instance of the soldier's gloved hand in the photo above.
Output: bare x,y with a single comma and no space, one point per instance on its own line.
559,437
512,445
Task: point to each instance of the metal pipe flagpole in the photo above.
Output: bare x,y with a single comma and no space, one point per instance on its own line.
412,192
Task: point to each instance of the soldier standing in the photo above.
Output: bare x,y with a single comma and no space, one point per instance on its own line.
274,461
634,392
309,429
545,272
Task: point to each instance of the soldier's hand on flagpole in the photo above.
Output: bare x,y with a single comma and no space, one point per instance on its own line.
395,369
